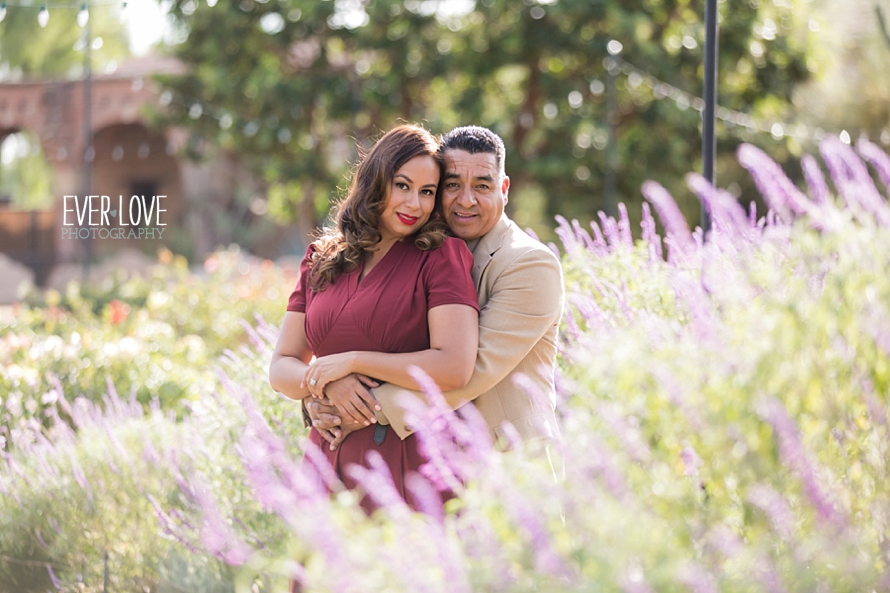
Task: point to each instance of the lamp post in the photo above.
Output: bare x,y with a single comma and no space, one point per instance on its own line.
609,183
709,139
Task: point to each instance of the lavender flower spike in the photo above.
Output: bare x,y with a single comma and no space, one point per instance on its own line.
852,179
794,454
878,159
669,213
52,576
779,192
815,179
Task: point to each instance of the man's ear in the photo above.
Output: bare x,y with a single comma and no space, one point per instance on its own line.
505,186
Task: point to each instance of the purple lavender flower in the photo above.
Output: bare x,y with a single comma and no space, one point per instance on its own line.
779,192
52,577
378,485
566,234
775,506
815,179
793,453
676,229
851,177
727,214
879,159
583,236
650,234
424,496
610,230
691,460
216,534
624,233
600,245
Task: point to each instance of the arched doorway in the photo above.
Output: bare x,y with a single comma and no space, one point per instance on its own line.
130,160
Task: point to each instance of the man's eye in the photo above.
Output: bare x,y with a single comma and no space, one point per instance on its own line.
451,185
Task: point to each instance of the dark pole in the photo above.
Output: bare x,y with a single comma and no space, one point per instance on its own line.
709,139
87,136
609,183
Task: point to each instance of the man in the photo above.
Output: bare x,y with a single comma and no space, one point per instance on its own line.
520,288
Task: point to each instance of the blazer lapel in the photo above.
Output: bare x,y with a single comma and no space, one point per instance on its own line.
487,247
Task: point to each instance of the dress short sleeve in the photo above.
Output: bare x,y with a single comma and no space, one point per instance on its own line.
297,300
448,277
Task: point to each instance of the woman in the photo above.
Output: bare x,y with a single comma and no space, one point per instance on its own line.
384,290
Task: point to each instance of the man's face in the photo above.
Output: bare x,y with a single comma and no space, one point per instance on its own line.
474,195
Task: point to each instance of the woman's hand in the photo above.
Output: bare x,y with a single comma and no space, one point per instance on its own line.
326,369
351,396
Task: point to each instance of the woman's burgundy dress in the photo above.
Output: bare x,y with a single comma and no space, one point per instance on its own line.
384,312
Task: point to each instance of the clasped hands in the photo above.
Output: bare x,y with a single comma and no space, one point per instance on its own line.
331,377
329,423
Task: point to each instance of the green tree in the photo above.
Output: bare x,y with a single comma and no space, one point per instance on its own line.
28,50
290,84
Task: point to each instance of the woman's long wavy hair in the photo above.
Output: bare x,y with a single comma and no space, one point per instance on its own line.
340,249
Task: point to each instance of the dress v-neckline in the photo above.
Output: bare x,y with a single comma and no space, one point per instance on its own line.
361,278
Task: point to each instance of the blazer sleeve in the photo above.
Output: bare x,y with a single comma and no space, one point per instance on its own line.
525,300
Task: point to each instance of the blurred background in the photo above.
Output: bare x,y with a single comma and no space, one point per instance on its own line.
248,115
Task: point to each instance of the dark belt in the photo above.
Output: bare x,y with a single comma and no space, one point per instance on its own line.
379,433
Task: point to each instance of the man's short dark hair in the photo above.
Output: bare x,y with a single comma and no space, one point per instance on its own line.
475,140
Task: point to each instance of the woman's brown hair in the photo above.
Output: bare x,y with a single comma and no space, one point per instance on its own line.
340,248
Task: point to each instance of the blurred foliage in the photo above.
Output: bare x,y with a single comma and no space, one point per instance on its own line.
100,489
27,50
292,84
852,91
154,337
26,178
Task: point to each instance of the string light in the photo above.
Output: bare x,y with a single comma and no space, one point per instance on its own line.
83,14
683,100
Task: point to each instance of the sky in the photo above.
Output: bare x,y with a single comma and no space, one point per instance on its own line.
145,24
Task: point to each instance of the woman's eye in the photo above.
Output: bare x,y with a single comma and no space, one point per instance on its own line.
401,185
429,192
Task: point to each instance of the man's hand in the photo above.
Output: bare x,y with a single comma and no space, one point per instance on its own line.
329,376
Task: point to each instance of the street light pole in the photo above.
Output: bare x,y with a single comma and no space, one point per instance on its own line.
609,183
709,138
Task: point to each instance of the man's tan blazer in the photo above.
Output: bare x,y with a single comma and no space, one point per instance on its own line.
521,294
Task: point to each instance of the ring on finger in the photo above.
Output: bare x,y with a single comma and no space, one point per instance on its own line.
313,382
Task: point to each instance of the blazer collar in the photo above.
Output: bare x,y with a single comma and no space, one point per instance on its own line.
488,245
